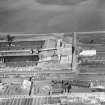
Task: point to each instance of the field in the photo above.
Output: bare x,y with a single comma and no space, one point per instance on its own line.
24,16
22,45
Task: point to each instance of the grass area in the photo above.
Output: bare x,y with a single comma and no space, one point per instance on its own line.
22,45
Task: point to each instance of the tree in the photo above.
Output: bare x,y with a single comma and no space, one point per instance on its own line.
10,39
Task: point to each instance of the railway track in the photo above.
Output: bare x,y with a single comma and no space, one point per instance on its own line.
66,71
51,75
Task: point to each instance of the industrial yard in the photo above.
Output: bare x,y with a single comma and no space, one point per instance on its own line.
35,68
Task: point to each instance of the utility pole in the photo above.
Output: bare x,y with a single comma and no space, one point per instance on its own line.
74,56
31,79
